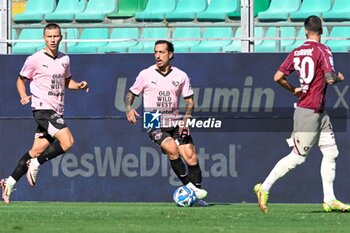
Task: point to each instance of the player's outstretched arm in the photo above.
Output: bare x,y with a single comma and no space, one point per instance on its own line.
332,77
21,88
73,85
130,112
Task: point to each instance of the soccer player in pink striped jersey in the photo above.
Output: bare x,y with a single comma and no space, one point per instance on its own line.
313,63
48,71
161,85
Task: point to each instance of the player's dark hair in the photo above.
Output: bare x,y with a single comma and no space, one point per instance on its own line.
170,45
52,26
313,23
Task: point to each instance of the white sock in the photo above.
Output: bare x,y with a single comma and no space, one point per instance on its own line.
11,181
35,162
281,168
328,166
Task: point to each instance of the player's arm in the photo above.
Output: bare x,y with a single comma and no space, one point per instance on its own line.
22,91
130,112
188,113
280,78
332,77
73,85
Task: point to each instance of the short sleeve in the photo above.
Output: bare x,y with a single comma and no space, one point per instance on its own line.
139,85
68,73
187,87
327,64
287,66
28,68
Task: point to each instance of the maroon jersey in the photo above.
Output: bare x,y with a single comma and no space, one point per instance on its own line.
311,61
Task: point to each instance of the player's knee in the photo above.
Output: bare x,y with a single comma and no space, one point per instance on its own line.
67,144
331,152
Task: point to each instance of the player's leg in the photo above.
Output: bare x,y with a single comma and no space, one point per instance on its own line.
169,147
39,145
330,153
54,129
305,135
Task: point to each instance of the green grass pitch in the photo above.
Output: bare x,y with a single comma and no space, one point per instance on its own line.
63,217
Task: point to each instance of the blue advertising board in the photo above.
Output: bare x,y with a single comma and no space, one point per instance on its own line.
113,160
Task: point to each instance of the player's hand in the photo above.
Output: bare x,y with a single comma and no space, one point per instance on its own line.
340,77
84,86
131,116
297,91
25,100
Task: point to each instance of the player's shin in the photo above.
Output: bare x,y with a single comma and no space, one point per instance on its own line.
195,174
328,167
22,167
52,151
179,168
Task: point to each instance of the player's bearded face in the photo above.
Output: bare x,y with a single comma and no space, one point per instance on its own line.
52,38
162,55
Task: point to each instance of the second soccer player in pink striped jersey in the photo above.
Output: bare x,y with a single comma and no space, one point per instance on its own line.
161,85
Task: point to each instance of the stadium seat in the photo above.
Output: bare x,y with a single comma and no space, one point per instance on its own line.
148,46
130,34
279,10
301,39
96,11
311,7
185,45
339,12
69,34
128,8
235,46
186,10
90,47
339,45
218,10
29,47
155,10
35,11
259,6
66,10
270,45
223,34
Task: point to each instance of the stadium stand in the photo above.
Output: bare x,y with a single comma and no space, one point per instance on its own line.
301,37
130,34
149,35
235,46
207,45
128,8
70,34
155,10
66,10
311,7
29,47
259,6
279,10
269,45
339,45
339,12
186,10
218,10
35,10
96,11
90,47
185,33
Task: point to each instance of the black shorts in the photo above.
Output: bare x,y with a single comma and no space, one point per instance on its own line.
158,136
49,123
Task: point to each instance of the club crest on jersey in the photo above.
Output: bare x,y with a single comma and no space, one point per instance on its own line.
151,119
175,83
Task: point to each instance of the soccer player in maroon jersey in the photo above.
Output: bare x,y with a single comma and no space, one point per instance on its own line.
48,71
313,63
161,85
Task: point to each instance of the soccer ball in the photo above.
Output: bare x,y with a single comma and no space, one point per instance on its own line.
184,196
